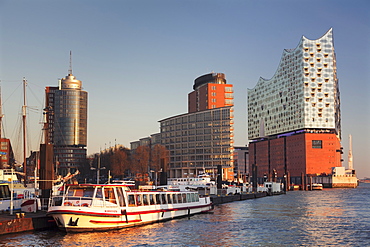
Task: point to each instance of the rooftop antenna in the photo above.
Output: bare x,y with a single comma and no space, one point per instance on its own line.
70,63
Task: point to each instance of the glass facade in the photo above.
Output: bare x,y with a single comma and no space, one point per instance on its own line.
70,113
66,117
199,141
303,93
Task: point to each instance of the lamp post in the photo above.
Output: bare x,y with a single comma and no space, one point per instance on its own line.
97,171
156,176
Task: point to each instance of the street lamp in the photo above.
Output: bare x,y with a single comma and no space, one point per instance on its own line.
156,175
98,171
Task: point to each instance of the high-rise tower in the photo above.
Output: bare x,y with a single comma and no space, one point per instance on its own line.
66,110
294,117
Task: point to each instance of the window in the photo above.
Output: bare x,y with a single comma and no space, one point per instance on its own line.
184,198
158,198
317,144
131,201
169,198
121,197
109,195
179,198
164,199
151,199
145,199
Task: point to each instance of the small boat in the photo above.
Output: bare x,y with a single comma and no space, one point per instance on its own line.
100,207
317,186
20,196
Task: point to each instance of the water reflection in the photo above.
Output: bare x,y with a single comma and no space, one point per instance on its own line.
299,218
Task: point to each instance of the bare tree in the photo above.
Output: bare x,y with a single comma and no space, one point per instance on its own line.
140,160
119,161
159,153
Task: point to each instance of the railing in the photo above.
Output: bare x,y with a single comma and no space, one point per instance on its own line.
80,202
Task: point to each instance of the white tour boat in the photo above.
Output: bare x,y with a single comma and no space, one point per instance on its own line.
99,207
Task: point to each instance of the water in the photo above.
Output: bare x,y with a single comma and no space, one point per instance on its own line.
332,217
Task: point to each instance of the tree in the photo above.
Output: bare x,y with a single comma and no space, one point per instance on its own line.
119,161
159,154
140,160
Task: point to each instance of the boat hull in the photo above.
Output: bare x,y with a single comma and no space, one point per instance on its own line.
76,219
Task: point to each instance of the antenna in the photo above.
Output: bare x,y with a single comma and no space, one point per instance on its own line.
70,63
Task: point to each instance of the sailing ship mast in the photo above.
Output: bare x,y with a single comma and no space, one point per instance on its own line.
24,130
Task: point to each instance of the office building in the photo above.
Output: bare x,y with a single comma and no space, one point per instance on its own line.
66,123
202,139
294,120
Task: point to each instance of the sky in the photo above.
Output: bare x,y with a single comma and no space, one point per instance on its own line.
138,60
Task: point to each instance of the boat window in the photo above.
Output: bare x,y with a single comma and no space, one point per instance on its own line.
179,198
75,192
4,191
145,199
99,193
131,201
109,195
88,192
169,198
121,197
184,198
158,198
174,197
188,197
139,201
164,199
197,197
151,199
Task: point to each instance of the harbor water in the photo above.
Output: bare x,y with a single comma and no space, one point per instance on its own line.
331,217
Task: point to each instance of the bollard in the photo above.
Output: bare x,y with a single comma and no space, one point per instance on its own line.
17,215
22,215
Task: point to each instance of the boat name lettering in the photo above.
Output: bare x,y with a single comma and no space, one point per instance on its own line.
113,211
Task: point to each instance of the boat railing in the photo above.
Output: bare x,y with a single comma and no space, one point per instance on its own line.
70,201
81,202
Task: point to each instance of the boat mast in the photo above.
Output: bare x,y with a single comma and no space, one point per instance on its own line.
24,130
1,114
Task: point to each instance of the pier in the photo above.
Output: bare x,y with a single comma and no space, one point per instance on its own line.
22,222
239,197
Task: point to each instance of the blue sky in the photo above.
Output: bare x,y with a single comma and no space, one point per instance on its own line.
138,59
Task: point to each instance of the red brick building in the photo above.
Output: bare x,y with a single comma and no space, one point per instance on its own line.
310,154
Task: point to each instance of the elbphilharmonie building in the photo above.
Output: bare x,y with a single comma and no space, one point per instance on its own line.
294,120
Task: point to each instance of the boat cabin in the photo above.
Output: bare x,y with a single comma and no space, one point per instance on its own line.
119,195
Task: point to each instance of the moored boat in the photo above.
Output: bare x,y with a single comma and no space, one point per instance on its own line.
100,207
317,186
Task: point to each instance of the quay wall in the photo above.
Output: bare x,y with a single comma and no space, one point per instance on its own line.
12,224
240,197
